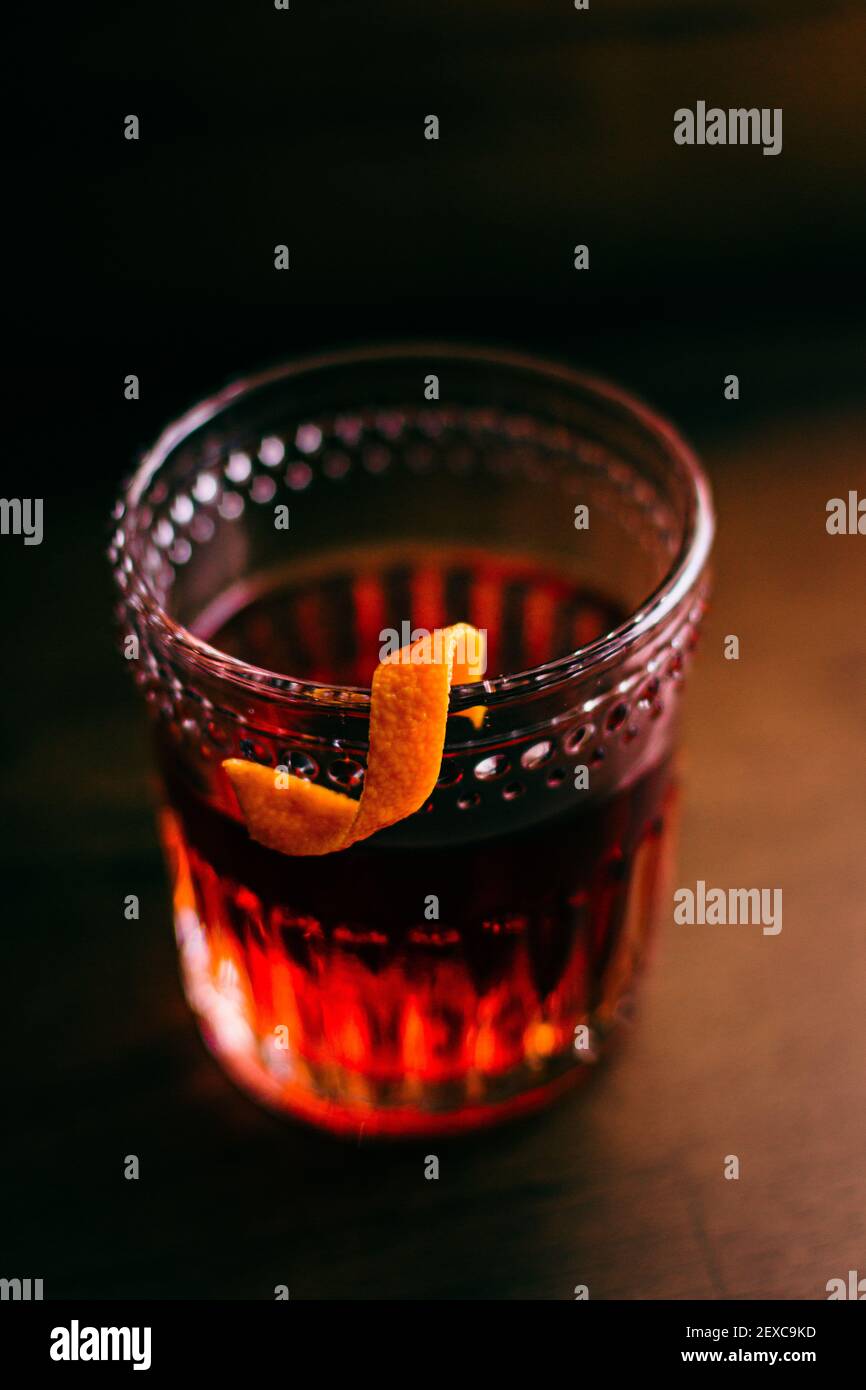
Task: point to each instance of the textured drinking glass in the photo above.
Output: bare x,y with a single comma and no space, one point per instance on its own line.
471,961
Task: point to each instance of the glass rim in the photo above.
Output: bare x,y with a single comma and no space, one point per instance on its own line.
680,577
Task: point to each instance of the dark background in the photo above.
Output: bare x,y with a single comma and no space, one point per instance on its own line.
306,127
156,257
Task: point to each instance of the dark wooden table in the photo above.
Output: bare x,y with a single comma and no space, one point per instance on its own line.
745,1044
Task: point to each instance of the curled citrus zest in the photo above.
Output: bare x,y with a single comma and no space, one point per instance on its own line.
408,716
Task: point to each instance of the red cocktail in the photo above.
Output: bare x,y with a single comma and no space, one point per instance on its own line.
471,961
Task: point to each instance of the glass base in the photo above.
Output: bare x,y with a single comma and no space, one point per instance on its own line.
373,1110
350,1105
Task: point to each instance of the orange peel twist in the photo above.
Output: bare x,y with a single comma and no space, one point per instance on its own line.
408,715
